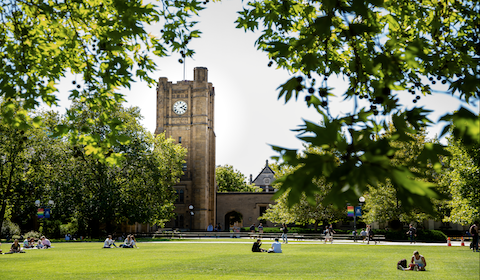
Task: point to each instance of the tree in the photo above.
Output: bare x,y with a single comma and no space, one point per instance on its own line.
305,211
231,180
15,145
104,44
137,188
383,49
381,202
90,189
461,181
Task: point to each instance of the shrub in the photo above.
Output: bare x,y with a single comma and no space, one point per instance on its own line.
34,234
10,228
71,227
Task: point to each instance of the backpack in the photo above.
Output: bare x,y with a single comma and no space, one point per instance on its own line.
402,263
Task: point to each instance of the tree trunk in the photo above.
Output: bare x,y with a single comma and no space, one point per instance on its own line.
2,214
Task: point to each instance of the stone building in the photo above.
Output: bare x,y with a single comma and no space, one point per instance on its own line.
185,112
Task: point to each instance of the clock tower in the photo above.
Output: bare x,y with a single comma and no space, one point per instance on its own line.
185,112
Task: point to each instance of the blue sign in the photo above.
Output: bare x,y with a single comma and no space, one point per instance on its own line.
358,211
46,214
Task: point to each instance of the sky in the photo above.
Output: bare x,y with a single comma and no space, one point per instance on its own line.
248,116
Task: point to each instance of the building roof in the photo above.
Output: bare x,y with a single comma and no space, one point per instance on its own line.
266,177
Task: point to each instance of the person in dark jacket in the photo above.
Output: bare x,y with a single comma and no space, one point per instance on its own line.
256,246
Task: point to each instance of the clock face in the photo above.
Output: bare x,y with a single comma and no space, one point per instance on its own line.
180,107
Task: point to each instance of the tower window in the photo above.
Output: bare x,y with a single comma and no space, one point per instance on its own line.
180,196
180,139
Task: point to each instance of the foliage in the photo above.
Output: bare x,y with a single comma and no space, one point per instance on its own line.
9,228
383,49
231,180
422,235
381,202
461,181
15,156
34,234
303,212
135,189
90,189
103,44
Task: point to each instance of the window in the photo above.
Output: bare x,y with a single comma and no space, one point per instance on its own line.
180,140
179,221
180,196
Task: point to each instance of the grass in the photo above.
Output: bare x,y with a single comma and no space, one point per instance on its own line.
212,260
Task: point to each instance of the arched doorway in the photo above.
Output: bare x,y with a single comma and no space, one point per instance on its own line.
233,218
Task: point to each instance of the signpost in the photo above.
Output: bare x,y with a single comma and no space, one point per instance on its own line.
354,212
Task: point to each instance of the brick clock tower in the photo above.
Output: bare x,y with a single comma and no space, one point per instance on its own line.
185,112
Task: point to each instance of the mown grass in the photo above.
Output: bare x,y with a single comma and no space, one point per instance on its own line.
211,260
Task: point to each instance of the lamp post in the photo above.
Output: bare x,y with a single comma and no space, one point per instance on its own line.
44,212
190,207
361,200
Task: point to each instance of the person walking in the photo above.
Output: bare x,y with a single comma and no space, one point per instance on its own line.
412,232
284,230
370,234
474,232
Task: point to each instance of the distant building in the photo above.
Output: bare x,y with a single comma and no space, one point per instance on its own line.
265,179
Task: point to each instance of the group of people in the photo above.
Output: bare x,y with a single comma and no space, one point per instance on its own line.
130,242
367,234
254,228
217,227
28,243
275,248
329,233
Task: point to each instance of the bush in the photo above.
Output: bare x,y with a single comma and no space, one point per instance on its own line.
32,233
10,229
71,227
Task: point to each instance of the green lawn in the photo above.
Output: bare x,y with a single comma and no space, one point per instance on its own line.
191,260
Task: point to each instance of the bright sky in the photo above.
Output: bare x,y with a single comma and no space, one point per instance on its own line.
248,116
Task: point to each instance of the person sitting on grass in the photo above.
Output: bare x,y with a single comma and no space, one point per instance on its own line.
39,244
16,248
418,262
256,246
276,247
127,243
133,241
45,242
27,244
109,242
32,242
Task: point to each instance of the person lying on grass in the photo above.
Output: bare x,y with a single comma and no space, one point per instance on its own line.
109,242
256,246
418,262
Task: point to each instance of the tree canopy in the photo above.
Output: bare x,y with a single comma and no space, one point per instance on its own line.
303,212
461,181
231,180
103,44
86,188
382,49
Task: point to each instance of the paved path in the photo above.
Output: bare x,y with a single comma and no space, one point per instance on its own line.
382,243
